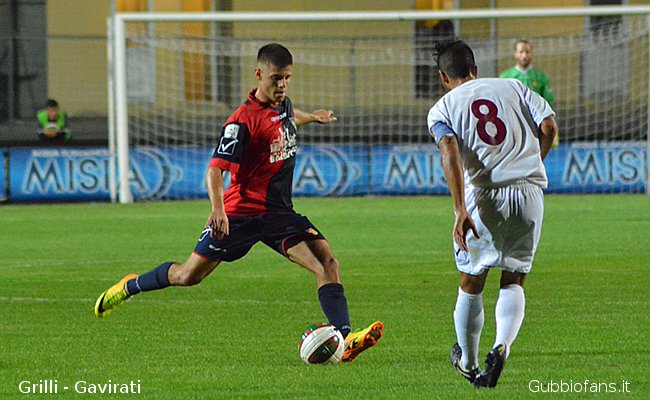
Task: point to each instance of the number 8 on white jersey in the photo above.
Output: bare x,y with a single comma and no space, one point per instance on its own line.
496,122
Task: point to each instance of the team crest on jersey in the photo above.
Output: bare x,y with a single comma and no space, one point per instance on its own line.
228,140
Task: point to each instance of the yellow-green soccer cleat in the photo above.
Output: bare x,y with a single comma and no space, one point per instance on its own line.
356,342
112,297
494,363
455,356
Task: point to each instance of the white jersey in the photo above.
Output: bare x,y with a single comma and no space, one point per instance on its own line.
496,122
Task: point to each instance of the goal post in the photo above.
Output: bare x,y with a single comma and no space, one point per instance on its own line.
172,86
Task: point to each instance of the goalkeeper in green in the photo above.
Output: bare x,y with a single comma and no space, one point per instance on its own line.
534,78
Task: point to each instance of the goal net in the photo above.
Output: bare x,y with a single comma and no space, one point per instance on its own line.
177,77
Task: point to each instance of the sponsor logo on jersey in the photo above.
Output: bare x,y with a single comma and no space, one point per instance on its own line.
279,117
284,145
312,231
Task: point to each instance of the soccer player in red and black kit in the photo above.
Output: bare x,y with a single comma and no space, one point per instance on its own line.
258,146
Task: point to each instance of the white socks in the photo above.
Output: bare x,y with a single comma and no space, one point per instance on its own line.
468,320
509,313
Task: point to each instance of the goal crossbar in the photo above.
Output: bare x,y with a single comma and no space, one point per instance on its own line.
230,16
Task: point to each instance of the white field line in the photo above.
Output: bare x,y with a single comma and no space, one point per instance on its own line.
215,301
250,301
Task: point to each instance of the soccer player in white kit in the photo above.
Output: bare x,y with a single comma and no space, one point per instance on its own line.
493,135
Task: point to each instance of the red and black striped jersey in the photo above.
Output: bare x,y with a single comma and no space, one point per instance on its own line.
258,146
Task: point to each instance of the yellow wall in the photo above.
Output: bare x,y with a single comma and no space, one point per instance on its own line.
77,48
539,26
77,55
326,29
474,28
78,17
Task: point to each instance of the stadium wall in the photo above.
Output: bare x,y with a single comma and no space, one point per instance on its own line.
81,174
79,48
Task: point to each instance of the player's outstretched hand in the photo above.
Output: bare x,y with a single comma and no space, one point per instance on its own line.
324,116
463,224
218,222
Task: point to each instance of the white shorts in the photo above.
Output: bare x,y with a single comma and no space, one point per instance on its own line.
509,221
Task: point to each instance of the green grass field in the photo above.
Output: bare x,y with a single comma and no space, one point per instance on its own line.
236,334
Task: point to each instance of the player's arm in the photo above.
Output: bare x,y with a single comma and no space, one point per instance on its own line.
547,92
227,156
217,220
548,131
64,122
320,116
451,163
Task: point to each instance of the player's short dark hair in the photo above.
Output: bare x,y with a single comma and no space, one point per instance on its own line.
51,103
524,41
454,58
275,54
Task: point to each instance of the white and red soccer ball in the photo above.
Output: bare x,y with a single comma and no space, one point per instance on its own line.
321,344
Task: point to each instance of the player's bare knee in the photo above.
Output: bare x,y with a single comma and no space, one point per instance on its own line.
512,278
331,268
193,279
190,278
472,284
185,276
471,288
331,264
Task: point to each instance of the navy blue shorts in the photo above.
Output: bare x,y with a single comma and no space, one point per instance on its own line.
279,231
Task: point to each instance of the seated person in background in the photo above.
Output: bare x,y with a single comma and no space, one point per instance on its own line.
52,123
